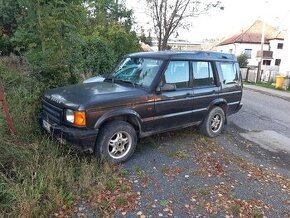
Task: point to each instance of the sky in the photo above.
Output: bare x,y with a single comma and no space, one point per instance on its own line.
236,16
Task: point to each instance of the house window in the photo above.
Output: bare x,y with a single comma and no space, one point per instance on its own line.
277,62
248,52
267,62
280,46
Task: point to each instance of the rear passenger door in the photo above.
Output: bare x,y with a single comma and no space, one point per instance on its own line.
205,89
231,84
173,108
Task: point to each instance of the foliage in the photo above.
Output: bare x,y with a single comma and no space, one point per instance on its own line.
169,16
59,39
243,60
146,39
38,176
53,36
8,24
98,58
107,12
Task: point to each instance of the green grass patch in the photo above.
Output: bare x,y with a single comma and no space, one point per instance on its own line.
38,176
266,85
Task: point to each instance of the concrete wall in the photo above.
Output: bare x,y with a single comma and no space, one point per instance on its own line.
239,48
277,53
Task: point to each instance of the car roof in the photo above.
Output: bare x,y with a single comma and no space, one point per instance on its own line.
185,55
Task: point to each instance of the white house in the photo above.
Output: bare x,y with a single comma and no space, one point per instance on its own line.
248,42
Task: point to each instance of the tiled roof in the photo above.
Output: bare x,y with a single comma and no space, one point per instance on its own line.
254,34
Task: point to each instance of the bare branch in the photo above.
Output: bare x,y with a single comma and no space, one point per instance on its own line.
168,15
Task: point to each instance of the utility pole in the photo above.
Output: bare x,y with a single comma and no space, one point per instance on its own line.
261,52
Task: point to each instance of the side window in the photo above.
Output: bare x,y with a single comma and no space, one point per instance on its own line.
229,72
177,73
202,74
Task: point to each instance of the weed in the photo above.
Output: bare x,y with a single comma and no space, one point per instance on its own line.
120,200
164,203
111,184
38,176
256,213
164,169
204,191
235,209
180,154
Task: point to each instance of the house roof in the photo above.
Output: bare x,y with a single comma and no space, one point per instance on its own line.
254,34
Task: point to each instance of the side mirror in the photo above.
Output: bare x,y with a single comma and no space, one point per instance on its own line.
166,87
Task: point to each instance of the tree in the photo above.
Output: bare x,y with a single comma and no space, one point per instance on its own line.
146,39
62,39
9,10
243,60
168,16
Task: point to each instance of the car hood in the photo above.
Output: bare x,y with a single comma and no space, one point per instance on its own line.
89,95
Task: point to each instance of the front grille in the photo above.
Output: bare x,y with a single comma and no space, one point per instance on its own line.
52,112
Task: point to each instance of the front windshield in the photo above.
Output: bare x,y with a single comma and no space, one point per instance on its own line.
138,71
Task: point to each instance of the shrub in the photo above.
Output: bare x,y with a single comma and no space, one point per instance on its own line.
243,60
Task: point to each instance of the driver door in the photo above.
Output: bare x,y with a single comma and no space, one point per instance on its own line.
173,108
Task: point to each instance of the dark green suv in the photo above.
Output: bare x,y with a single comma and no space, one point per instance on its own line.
148,93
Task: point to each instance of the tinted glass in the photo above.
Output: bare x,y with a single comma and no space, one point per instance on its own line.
229,72
177,73
202,73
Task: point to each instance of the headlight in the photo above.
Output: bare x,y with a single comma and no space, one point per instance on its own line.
69,116
78,118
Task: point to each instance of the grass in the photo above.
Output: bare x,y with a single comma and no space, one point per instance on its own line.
266,85
180,154
236,209
38,176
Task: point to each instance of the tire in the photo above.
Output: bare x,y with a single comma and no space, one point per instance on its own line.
116,142
213,123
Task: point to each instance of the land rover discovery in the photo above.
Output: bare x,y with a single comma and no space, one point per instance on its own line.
148,93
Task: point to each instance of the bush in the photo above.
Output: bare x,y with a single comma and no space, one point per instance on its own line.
37,176
98,57
243,60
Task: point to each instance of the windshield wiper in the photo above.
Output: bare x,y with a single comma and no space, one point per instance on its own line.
126,81
110,78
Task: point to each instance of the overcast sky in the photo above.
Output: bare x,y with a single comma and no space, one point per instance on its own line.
237,15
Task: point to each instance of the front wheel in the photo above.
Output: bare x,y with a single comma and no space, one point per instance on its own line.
213,123
116,142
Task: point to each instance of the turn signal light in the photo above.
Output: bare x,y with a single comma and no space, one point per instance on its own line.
80,118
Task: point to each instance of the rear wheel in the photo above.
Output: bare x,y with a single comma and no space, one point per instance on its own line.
213,123
116,142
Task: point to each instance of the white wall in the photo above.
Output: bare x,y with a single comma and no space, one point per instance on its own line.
277,53
239,48
285,62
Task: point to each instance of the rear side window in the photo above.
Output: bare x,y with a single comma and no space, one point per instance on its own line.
177,73
202,74
229,72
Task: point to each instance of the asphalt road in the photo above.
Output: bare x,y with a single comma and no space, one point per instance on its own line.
263,112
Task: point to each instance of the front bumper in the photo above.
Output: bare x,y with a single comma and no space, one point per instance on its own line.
82,139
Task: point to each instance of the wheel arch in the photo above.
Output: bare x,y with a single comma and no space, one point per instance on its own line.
220,102
127,115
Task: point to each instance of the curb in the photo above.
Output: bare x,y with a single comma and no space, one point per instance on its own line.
267,93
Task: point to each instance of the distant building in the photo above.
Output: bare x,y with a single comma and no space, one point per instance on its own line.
179,45
248,42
